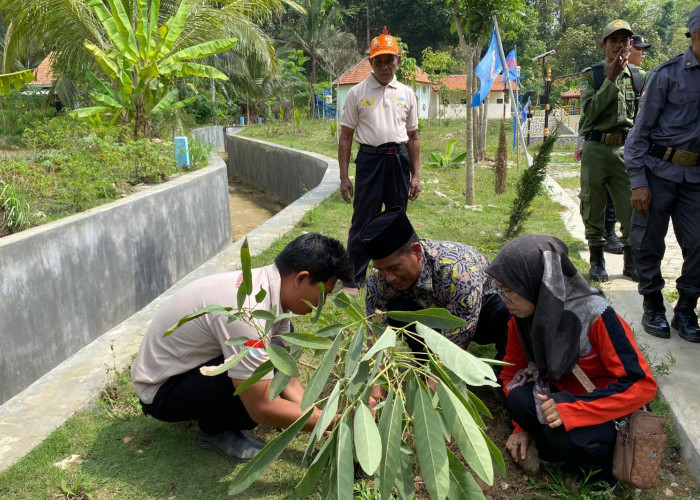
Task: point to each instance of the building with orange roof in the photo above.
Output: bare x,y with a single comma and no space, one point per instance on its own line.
43,75
454,105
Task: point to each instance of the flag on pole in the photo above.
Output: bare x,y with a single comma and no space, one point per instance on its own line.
526,109
512,65
487,70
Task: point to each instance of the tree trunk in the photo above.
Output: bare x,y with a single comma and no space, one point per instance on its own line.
468,51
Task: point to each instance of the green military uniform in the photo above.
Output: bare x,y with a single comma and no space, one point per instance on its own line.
607,114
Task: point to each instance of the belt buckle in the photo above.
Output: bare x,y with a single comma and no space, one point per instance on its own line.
685,158
389,151
611,139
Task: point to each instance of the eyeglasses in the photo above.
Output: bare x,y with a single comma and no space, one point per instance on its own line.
505,294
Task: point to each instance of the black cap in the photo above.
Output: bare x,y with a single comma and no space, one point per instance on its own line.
638,41
386,232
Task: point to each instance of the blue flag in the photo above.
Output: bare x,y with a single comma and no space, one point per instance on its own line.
487,70
511,64
526,109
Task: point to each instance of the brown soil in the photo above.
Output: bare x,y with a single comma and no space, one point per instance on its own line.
249,207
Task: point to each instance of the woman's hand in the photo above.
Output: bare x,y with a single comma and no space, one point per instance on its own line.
550,412
517,445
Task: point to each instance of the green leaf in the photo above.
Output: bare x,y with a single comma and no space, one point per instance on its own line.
260,296
404,482
88,112
433,317
445,375
460,158
387,340
465,365
367,440
430,446
352,306
201,50
282,360
358,379
263,314
321,302
314,472
259,373
307,340
329,411
499,464
251,471
411,388
213,309
237,341
108,65
166,103
330,330
462,485
354,351
210,371
319,377
344,476
176,25
125,41
390,430
450,147
466,433
15,80
279,382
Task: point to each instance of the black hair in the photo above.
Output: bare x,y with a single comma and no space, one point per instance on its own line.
406,247
321,256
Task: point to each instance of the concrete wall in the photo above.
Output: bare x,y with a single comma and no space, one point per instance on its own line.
211,135
64,284
285,173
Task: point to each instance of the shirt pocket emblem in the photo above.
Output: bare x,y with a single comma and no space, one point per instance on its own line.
401,102
367,103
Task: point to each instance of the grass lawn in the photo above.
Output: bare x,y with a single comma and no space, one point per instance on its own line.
124,454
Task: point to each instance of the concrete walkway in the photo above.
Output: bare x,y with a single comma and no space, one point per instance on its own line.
29,417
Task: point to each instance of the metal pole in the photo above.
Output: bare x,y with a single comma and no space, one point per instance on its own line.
547,89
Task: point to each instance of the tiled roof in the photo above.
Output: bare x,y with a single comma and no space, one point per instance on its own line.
43,74
459,82
359,72
571,94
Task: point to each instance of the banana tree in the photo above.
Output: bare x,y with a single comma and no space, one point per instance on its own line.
16,80
140,64
426,406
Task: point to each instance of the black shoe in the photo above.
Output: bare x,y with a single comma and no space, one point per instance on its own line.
655,324
628,268
612,243
687,326
232,444
597,272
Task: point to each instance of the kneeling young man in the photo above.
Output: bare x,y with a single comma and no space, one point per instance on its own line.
166,372
413,274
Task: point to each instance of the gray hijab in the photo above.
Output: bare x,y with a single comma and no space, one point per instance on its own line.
537,267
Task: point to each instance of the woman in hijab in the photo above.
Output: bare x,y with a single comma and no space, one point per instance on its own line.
559,322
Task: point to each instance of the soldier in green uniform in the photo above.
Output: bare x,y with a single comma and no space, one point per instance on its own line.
608,106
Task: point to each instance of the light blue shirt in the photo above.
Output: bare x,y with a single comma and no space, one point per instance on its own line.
669,115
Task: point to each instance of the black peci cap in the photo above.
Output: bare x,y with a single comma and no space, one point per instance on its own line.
638,41
386,232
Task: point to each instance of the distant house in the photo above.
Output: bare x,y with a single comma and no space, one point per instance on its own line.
427,95
43,76
455,106
572,101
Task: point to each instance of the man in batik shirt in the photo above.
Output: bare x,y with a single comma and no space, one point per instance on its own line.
412,274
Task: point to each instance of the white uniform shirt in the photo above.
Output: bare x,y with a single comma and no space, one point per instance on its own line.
380,113
204,338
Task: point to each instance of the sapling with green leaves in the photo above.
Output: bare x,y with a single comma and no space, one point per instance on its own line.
425,405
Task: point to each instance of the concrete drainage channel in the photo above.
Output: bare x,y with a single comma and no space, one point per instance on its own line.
29,416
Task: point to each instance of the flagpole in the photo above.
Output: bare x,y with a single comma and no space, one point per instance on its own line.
528,158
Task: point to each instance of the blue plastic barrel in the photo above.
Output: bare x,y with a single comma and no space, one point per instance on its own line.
182,152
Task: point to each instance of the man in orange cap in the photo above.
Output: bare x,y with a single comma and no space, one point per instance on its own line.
380,113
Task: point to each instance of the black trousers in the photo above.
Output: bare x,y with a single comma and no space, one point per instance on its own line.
680,203
491,327
208,400
590,446
379,180
610,216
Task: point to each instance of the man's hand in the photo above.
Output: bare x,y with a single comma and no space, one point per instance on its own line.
615,67
549,409
415,188
577,155
346,189
517,445
641,198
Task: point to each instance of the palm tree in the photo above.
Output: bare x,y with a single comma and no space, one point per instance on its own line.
317,28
